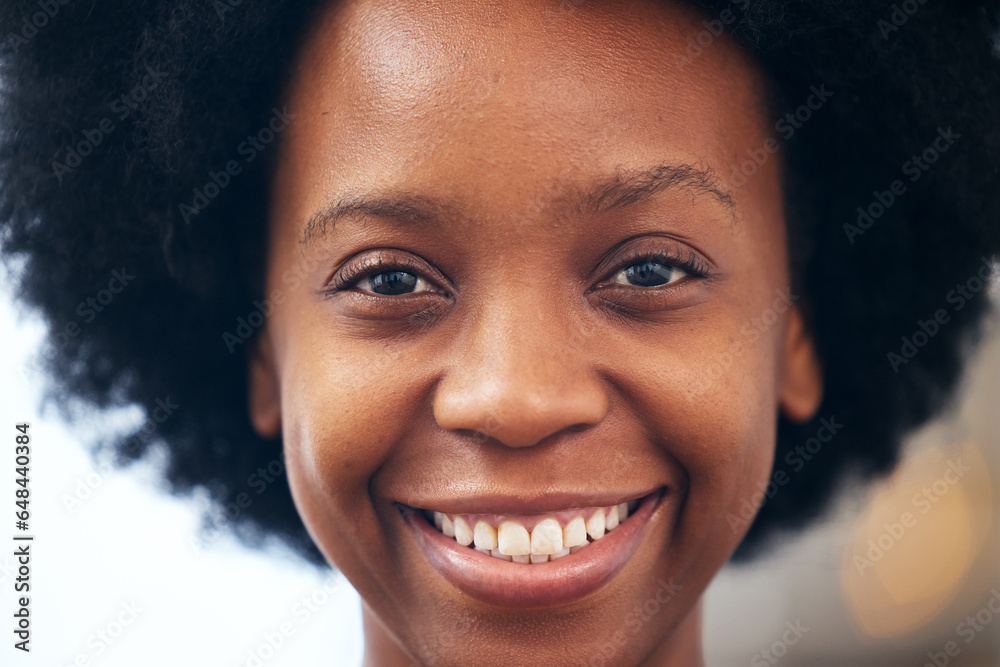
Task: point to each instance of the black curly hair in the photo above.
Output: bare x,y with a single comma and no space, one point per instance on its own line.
134,163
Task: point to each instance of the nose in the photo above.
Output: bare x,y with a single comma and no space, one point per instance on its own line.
520,374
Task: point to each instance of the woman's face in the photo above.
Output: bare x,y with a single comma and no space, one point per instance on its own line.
519,279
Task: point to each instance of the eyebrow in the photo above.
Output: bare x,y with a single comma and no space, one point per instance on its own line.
624,188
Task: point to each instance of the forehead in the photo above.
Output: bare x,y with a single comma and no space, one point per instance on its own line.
506,95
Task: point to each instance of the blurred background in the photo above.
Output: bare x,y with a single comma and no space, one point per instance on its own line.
902,572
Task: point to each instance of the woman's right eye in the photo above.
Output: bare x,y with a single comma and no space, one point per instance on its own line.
393,282
384,273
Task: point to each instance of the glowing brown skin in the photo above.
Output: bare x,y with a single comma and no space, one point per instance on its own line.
525,369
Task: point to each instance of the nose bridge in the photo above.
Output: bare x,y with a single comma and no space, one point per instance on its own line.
521,373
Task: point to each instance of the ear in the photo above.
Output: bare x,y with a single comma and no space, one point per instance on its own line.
800,388
263,392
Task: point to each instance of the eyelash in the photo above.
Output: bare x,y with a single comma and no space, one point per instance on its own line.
384,261
372,265
690,262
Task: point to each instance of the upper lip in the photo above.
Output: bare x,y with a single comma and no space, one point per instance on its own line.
540,504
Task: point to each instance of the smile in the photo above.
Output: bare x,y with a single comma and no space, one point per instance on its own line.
532,539
527,560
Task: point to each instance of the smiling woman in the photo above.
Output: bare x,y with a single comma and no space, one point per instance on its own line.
506,215
531,295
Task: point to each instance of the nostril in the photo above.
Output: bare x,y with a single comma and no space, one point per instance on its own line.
519,404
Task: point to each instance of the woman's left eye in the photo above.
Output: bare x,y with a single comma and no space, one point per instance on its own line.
649,273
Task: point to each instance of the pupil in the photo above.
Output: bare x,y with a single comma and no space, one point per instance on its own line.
649,274
391,283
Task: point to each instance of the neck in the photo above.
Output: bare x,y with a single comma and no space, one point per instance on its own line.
381,650
683,647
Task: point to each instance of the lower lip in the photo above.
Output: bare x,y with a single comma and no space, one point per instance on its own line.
536,585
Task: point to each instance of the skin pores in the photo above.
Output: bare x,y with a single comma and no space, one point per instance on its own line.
526,174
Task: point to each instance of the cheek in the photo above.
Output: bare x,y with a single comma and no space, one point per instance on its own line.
343,409
710,401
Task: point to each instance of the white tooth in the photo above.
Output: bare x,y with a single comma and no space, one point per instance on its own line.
559,554
539,558
575,533
496,554
463,534
438,520
447,527
573,550
513,539
521,559
622,512
485,536
546,538
484,551
611,522
595,526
